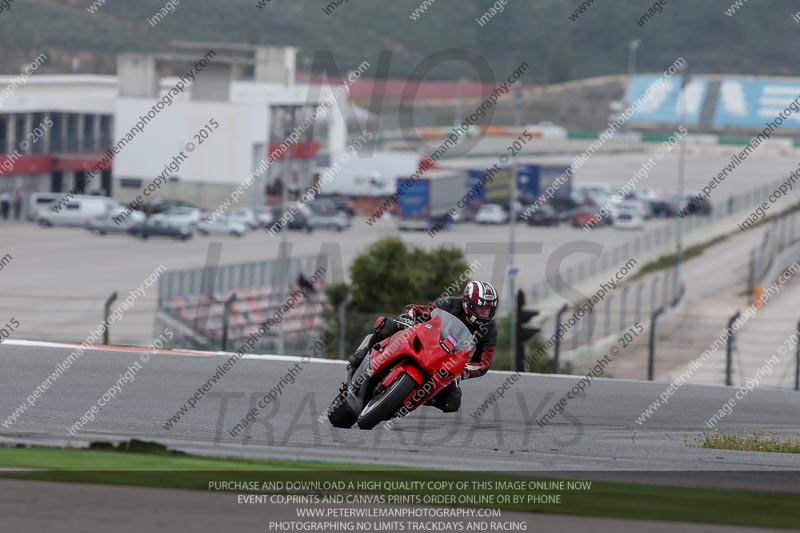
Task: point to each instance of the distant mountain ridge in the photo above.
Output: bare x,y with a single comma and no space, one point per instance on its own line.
541,33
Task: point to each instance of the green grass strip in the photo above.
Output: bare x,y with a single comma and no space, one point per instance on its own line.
603,499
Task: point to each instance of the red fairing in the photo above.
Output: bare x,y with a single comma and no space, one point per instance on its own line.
410,370
422,362
422,313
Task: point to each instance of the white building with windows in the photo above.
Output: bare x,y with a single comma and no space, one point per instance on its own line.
203,118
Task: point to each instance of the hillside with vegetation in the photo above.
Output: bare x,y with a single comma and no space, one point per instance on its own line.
754,41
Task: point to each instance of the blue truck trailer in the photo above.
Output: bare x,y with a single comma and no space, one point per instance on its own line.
424,200
532,181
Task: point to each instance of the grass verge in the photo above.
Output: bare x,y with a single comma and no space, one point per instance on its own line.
602,499
668,261
748,442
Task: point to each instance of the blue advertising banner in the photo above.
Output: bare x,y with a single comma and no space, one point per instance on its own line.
665,100
753,102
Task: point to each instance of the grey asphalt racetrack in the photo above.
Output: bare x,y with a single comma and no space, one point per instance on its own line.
599,432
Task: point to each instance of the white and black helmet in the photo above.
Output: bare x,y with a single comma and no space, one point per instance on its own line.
480,301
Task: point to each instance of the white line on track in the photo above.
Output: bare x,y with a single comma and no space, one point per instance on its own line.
189,353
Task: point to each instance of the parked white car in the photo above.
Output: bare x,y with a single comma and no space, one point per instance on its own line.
642,208
78,211
582,191
264,216
491,214
336,220
180,216
628,219
40,200
648,193
224,225
245,215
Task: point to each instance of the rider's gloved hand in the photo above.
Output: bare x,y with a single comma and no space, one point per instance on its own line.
406,320
468,370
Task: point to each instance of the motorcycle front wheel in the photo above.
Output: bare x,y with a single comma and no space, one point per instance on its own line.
387,403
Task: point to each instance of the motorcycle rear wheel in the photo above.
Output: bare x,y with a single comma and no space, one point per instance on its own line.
387,403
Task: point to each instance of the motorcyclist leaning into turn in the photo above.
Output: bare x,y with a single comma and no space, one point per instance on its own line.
475,308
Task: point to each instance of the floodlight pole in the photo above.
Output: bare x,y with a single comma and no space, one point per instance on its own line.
681,179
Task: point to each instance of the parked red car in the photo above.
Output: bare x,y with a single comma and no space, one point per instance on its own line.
585,216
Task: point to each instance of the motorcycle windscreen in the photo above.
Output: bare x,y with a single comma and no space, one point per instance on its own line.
453,335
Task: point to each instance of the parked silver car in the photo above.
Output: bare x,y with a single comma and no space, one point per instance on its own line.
224,225
329,219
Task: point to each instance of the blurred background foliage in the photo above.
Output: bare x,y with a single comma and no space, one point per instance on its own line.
539,33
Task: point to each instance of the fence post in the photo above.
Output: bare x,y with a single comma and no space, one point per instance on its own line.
225,317
608,313
654,288
575,339
729,351
622,307
797,362
639,289
751,277
340,318
557,348
763,263
651,349
679,296
106,312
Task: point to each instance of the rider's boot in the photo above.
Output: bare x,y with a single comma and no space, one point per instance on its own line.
354,361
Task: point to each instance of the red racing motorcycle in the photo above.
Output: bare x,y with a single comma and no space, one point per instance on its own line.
403,372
